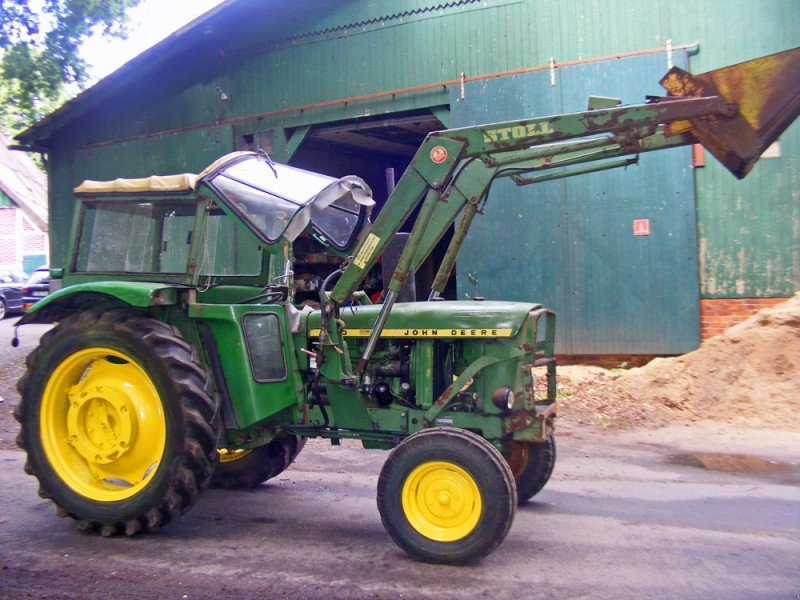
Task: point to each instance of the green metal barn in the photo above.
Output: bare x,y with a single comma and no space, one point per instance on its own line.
352,87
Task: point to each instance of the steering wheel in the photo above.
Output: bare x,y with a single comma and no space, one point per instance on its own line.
264,298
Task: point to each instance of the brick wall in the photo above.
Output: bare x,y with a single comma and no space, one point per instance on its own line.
717,314
8,219
34,243
18,239
8,235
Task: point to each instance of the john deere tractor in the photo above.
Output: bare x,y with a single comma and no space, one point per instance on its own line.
182,356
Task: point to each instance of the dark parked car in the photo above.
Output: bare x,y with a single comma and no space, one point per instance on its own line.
13,277
37,287
10,296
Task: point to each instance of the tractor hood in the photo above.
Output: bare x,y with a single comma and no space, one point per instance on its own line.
435,319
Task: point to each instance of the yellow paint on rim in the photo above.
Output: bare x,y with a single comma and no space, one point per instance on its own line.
229,456
441,501
102,424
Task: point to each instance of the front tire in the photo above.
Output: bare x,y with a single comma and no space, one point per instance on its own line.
242,469
446,495
118,421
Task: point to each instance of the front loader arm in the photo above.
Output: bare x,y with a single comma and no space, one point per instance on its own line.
472,188
442,152
454,168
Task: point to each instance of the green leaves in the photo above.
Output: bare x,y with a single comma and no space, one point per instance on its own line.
39,52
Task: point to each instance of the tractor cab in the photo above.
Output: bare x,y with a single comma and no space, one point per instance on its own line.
228,226
277,201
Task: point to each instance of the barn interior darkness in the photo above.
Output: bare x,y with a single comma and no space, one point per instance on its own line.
377,149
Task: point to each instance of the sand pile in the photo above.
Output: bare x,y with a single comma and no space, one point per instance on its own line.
749,375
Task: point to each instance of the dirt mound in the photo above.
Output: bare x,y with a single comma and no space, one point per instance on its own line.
749,375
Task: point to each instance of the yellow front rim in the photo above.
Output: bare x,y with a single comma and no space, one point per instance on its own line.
441,501
102,424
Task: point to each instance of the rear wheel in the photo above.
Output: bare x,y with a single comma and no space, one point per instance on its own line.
248,468
531,464
118,421
446,496
3,308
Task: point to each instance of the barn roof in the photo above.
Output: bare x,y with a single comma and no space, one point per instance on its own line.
220,27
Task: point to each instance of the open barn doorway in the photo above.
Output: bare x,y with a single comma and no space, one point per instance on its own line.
379,150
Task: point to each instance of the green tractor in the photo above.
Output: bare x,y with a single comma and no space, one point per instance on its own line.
184,357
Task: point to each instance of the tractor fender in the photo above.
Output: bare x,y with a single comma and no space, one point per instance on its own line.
73,298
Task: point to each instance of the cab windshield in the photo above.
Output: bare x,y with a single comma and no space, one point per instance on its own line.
277,200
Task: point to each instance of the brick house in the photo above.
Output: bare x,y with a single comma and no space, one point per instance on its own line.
23,212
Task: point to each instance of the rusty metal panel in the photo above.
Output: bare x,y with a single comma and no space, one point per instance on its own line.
571,244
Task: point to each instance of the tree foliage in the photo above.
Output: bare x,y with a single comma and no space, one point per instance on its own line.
39,52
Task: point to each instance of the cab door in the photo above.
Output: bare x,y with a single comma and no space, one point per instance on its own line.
253,347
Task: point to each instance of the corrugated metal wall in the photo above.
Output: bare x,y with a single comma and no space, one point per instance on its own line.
570,244
748,231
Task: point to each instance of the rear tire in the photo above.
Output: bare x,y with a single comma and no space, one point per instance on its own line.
241,469
3,309
446,496
118,421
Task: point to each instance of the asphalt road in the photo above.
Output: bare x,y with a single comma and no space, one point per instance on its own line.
626,515
12,366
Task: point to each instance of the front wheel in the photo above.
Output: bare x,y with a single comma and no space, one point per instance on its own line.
531,464
117,420
446,495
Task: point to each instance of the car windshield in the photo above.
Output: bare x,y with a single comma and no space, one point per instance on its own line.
277,200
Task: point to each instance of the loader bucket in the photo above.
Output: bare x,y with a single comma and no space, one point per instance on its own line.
766,94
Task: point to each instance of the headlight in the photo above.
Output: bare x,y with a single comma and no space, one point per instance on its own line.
503,398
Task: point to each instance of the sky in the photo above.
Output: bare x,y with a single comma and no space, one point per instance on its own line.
149,23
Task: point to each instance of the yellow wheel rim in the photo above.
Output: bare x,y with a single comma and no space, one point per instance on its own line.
102,424
441,501
229,456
